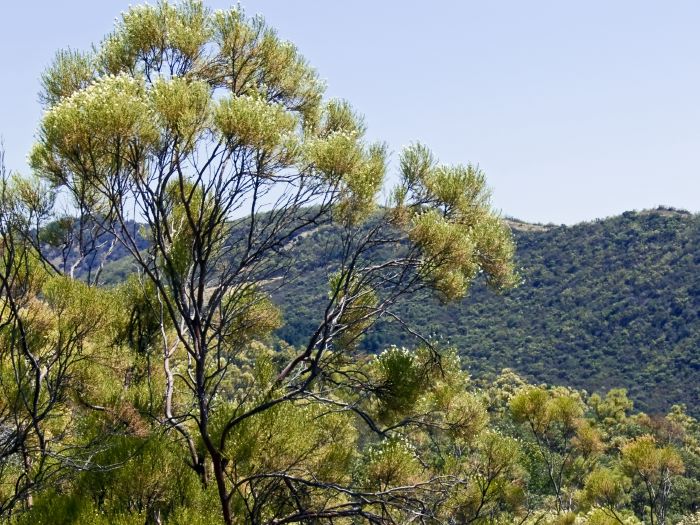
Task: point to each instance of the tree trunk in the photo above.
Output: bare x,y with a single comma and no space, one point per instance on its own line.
221,487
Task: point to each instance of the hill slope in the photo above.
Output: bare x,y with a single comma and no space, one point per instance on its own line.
602,304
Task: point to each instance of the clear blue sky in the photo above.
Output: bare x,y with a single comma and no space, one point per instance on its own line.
575,109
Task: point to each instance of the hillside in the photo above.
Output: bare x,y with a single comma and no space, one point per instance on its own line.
602,304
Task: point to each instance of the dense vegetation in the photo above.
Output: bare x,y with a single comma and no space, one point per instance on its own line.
605,304
195,149
524,454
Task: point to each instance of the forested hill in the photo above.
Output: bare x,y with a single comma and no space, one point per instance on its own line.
610,303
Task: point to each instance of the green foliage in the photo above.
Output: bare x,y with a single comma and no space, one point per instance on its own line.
71,71
602,305
162,399
182,106
147,479
606,488
401,377
642,457
392,462
107,123
453,225
254,122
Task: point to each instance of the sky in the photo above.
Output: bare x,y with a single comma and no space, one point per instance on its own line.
575,110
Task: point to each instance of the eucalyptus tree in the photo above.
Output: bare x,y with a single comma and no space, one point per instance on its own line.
204,134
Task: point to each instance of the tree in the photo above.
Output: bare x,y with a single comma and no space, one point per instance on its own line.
207,136
566,443
608,490
51,327
655,466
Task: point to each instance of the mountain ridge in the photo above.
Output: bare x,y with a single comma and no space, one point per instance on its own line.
606,303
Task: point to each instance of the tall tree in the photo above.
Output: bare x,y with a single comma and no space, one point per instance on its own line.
206,135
